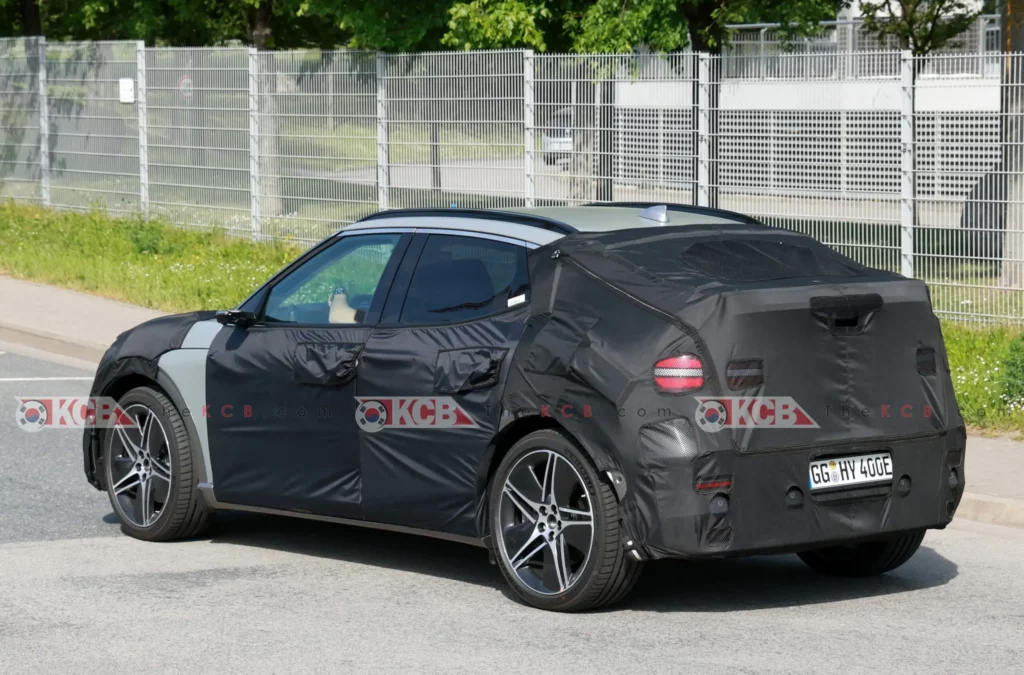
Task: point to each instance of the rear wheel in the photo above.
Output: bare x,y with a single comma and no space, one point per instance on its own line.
149,474
867,559
555,527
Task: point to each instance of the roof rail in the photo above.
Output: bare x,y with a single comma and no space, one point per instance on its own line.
483,214
684,208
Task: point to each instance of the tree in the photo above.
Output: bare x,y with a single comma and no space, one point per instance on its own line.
396,25
31,22
609,26
21,17
922,26
390,25
497,24
606,26
667,25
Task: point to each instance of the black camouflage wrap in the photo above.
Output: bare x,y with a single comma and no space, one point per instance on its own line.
830,332
858,349
135,352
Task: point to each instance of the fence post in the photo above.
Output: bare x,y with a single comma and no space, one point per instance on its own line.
762,67
703,128
140,101
254,142
44,124
383,173
982,24
529,135
908,205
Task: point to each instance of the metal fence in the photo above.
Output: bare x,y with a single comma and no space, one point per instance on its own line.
910,164
20,128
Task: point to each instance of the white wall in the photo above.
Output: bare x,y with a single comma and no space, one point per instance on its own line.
934,94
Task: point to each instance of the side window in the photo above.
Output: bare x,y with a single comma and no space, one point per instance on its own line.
339,285
464,278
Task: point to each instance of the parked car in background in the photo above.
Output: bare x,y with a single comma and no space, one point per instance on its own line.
557,137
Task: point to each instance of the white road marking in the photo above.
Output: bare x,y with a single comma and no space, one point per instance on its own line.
45,379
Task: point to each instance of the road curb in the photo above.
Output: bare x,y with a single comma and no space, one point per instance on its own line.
51,342
995,510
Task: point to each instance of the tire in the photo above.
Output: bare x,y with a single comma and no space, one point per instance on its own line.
597,577
865,560
182,513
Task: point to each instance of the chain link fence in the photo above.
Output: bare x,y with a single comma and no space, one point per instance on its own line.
909,164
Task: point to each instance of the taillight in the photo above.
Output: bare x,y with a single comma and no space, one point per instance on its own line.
679,374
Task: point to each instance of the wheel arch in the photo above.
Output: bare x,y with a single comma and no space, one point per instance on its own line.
502,443
127,382
94,469
121,386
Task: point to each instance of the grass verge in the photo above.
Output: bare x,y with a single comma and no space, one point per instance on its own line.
157,265
984,385
151,264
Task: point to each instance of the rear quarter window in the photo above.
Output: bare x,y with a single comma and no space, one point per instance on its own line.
461,278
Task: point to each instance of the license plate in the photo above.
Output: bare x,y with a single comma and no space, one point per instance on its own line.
844,471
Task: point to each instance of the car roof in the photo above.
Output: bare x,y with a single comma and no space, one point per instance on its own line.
542,225
612,218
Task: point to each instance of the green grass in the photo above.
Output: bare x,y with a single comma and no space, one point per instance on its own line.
151,263
155,264
978,358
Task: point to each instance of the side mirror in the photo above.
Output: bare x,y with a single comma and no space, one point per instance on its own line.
236,317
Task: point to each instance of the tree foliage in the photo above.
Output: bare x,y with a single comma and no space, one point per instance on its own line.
616,26
922,26
623,25
497,24
408,25
393,25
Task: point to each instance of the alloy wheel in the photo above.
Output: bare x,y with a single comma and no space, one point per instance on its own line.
546,522
140,466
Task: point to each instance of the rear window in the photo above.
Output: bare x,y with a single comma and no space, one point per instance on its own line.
762,260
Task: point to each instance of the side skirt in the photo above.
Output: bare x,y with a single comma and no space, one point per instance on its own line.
457,538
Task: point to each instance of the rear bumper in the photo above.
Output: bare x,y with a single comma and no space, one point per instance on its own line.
769,508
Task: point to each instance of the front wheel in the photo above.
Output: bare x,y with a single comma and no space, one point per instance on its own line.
555,527
149,474
867,559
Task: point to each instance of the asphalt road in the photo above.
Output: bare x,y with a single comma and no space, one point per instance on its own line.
272,595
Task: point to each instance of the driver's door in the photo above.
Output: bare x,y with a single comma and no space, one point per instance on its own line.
281,392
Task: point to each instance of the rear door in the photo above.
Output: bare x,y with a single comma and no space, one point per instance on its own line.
281,393
431,379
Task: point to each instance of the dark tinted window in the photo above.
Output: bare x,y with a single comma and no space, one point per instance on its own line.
761,260
463,278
